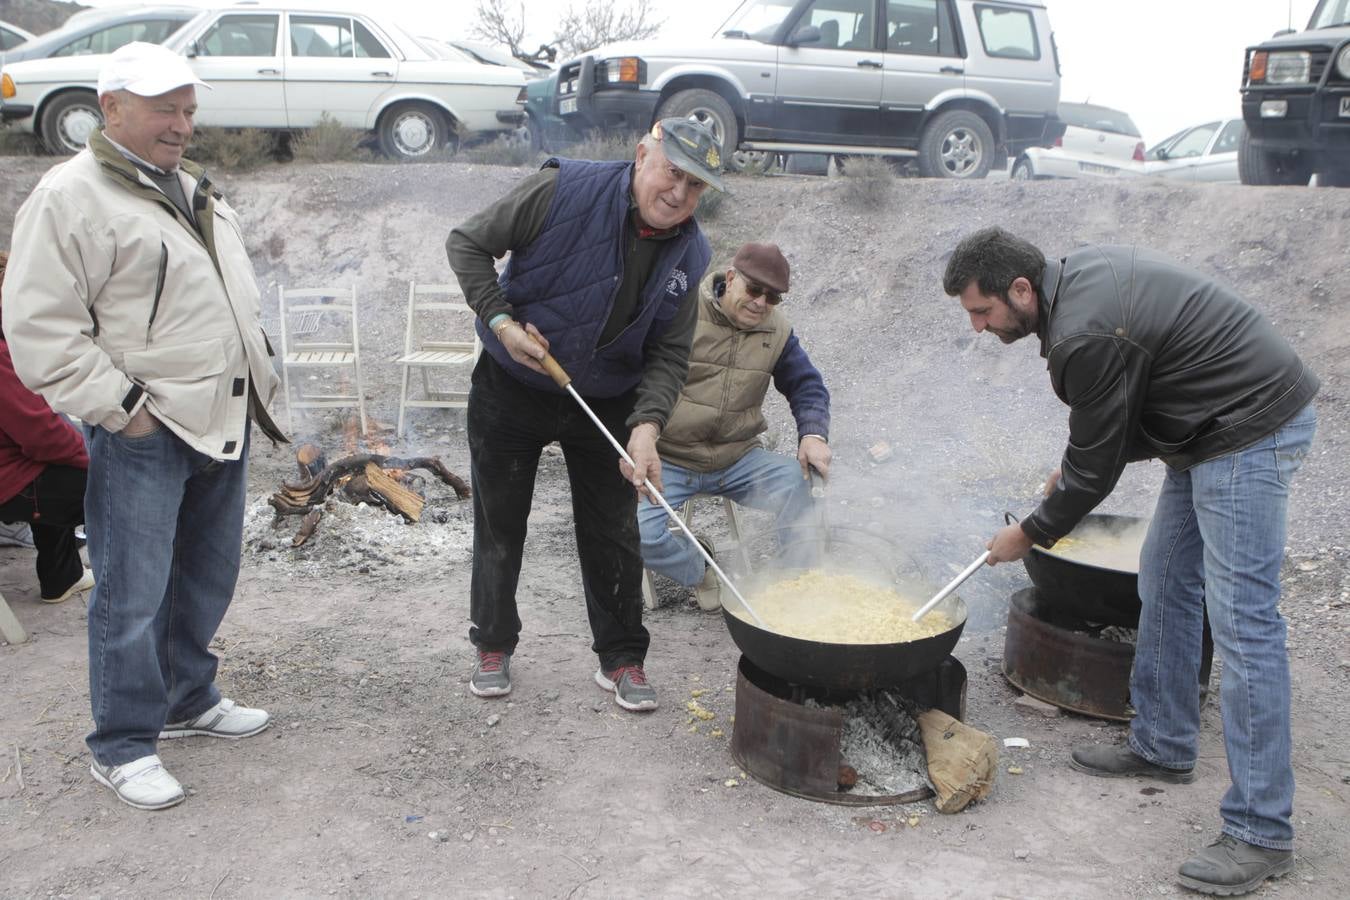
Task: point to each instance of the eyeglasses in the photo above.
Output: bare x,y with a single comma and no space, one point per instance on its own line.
773,298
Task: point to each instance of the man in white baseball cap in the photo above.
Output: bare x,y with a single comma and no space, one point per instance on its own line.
131,303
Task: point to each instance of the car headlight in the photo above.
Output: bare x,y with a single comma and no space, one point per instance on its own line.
624,70
1289,68
1343,62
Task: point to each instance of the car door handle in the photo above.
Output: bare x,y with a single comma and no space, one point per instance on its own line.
952,70
382,74
269,71
868,64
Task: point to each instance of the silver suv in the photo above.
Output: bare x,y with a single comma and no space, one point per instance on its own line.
959,86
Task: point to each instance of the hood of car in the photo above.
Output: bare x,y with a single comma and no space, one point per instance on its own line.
716,48
1329,37
75,69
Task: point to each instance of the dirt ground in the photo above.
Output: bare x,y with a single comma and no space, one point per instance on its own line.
357,643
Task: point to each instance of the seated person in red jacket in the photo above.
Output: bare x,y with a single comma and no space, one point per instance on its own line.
43,464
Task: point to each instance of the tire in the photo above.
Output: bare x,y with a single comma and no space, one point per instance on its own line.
415,132
1257,165
68,121
1022,170
751,162
956,144
709,108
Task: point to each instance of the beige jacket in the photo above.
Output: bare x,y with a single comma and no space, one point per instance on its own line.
719,415
113,298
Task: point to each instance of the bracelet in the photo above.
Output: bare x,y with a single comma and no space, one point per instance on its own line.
501,326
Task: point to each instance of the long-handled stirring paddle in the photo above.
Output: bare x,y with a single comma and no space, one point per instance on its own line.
564,381
951,586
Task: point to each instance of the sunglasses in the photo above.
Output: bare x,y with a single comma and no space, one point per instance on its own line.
773,298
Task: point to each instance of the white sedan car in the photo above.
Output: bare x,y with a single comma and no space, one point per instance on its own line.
282,67
1205,152
1098,142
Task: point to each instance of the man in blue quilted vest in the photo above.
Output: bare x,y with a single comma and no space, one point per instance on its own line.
606,260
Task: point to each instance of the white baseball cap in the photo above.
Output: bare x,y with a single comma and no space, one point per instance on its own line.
147,70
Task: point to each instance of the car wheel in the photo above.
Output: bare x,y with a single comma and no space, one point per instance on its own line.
751,162
412,132
956,144
68,122
1022,170
1257,165
710,109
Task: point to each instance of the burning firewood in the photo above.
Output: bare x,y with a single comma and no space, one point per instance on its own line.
308,525
297,499
310,460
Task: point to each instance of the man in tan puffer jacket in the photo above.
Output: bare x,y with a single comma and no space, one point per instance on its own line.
711,443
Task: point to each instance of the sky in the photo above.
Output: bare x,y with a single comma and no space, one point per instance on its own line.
1168,63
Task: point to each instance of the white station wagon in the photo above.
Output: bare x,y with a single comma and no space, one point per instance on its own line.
281,67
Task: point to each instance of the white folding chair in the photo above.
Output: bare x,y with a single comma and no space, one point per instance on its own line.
10,629
329,303
687,514
425,354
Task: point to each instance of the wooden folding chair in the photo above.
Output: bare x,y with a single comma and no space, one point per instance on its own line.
426,355
329,303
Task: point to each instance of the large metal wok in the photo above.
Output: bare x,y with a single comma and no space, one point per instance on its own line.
844,667
1081,589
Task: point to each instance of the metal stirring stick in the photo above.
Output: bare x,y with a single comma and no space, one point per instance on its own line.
564,381
951,586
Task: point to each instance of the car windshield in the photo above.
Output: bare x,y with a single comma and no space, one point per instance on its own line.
1098,118
758,20
1330,13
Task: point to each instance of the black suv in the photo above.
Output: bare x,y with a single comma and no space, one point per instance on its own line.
1296,103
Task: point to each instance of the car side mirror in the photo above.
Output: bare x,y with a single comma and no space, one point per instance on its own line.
193,50
807,34
1162,153
1282,32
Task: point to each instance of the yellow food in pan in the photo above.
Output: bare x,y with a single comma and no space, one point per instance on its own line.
842,609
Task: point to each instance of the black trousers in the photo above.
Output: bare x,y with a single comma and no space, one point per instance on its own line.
509,425
52,505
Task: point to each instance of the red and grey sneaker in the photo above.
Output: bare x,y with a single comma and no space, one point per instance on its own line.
630,687
492,674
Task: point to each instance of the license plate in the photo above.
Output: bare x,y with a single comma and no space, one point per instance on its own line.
1096,170
1345,107
567,105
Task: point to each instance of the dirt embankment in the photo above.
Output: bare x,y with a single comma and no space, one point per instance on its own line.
357,643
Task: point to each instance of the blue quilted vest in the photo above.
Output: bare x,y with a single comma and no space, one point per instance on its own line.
565,280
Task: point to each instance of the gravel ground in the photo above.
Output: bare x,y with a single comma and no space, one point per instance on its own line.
357,642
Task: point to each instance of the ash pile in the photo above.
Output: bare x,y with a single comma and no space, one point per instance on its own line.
881,747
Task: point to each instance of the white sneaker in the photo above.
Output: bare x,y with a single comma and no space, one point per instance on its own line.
85,583
141,783
226,720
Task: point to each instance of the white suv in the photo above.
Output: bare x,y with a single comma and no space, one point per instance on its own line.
958,85
1098,141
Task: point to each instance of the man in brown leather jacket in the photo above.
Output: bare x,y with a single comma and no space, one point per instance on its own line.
1157,360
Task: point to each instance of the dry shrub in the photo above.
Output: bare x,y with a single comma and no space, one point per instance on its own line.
710,205
503,150
329,141
18,143
236,149
868,182
610,147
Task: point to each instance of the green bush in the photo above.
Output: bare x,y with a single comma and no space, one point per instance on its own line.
235,149
605,147
329,141
868,182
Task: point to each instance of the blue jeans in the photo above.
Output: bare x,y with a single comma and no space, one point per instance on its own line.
1217,537
165,525
759,479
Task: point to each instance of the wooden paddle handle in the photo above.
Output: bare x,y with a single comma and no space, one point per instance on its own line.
555,371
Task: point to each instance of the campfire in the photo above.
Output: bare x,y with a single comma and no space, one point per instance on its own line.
375,479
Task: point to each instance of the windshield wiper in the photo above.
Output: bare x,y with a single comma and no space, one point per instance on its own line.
735,33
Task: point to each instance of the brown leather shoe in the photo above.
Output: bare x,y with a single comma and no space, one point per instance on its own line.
1122,762
1229,867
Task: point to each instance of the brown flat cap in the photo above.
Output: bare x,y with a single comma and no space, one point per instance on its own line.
764,264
